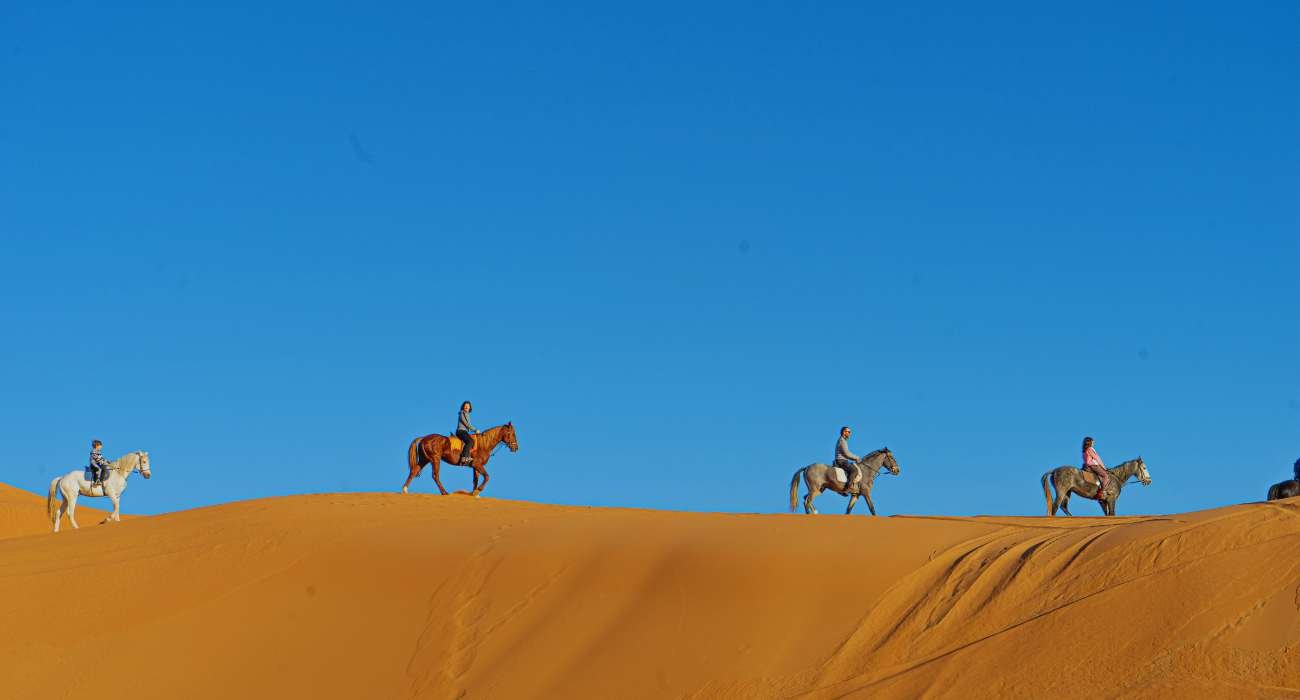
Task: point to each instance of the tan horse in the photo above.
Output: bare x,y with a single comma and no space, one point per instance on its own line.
436,449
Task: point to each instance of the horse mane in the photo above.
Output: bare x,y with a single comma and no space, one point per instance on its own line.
874,453
119,464
1121,465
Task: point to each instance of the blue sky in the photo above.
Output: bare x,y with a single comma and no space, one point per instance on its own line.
678,246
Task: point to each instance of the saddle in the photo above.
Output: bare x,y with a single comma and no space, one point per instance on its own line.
455,445
1092,479
842,475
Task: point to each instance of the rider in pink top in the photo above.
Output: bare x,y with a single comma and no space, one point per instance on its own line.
1092,463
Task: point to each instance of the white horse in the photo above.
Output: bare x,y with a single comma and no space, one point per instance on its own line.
74,483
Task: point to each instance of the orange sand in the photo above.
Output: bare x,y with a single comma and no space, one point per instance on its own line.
391,596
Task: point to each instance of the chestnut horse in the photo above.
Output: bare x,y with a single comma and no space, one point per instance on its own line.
437,449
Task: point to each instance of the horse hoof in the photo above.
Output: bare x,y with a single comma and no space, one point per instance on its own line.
403,489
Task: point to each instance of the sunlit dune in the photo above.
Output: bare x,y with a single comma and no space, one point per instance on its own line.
392,596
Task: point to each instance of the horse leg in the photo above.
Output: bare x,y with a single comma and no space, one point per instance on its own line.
70,505
59,511
870,504
418,465
479,471
411,477
852,499
437,475
1065,503
808,500
112,497
474,476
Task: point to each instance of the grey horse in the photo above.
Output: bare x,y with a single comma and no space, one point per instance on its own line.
1284,489
820,476
1068,480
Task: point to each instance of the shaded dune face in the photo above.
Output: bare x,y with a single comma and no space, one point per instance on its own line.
377,595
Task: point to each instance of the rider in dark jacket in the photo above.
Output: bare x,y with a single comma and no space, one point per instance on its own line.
466,431
98,465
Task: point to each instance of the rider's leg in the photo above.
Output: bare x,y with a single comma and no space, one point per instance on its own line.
467,446
1103,479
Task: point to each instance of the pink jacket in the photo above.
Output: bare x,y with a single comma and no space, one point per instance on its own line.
1090,457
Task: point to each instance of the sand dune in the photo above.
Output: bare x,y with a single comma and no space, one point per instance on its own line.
390,596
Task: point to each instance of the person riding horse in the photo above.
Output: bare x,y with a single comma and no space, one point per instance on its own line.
466,432
845,459
1092,463
98,465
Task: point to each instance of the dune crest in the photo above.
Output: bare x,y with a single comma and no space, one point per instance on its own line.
390,596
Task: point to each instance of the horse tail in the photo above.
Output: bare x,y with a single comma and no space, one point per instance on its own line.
413,456
794,487
50,508
1047,492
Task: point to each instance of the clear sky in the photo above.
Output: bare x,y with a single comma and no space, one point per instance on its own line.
678,245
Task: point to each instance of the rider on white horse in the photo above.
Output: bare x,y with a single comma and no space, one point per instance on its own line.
98,465
845,459
111,485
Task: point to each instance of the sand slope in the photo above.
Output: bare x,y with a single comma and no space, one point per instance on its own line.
390,596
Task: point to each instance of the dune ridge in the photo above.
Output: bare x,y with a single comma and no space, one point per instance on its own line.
391,596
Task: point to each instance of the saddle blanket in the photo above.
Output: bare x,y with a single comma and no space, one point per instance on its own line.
840,475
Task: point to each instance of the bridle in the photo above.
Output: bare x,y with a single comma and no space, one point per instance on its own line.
883,466
140,464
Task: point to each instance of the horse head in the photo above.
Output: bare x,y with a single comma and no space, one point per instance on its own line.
143,464
890,463
508,437
1143,475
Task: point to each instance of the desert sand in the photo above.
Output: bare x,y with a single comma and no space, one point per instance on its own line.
390,596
